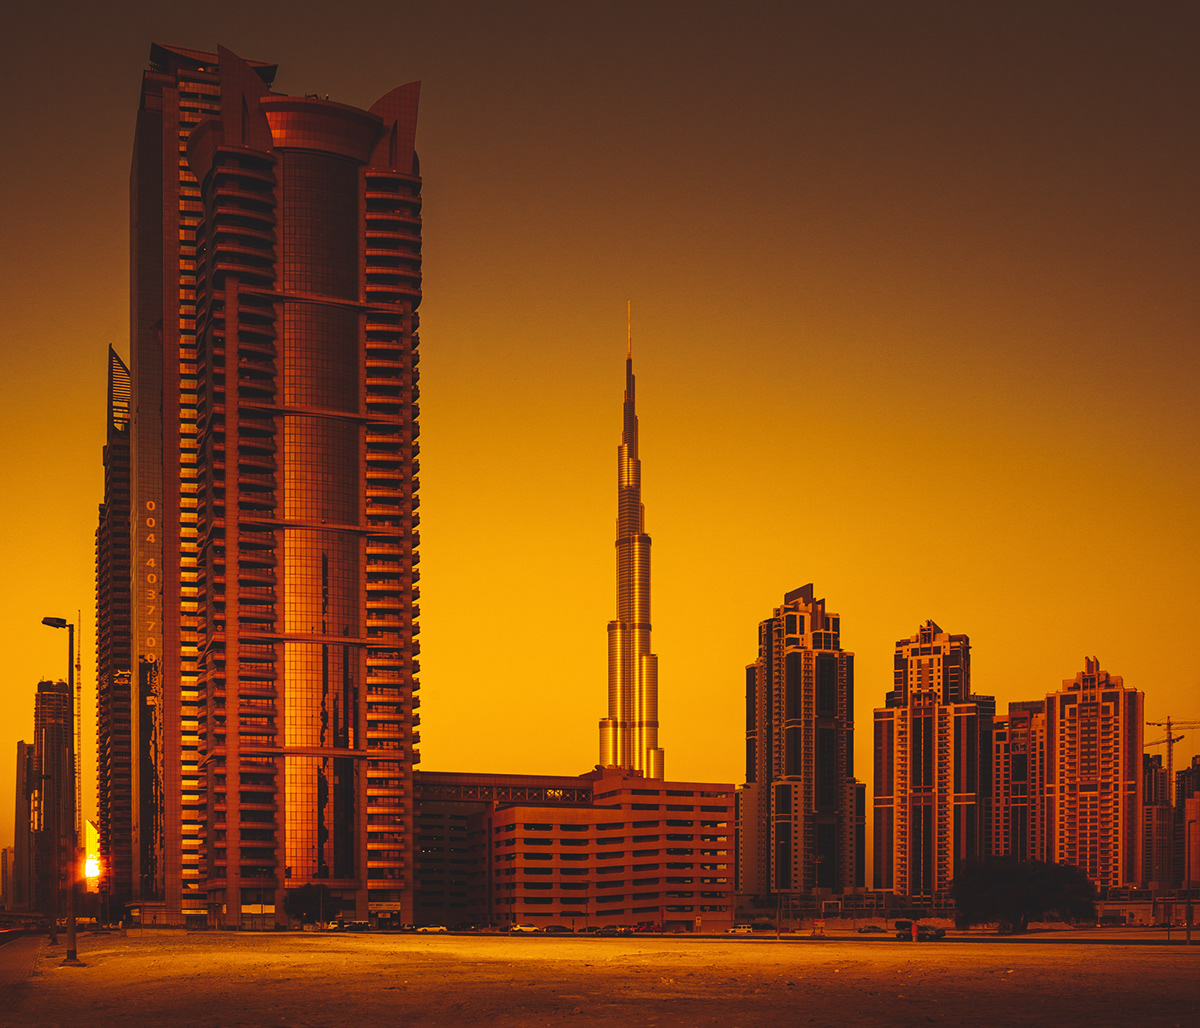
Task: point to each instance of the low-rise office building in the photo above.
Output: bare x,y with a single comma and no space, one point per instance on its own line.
608,847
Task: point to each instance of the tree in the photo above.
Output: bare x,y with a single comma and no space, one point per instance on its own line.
1016,892
312,902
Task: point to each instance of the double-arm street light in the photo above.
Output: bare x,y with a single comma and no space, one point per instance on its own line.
73,839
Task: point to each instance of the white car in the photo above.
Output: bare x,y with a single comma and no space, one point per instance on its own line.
521,929
740,929
431,928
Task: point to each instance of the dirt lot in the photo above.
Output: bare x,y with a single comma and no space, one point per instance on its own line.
227,980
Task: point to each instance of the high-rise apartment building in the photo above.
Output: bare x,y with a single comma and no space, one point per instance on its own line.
21,893
113,647
1186,861
276,274
796,814
1158,824
1094,738
629,735
1018,826
933,747
49,803
6,878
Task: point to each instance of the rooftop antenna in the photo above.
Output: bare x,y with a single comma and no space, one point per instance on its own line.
629,316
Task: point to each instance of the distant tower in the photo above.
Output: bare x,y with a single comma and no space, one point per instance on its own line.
629,735
933,748
1158,826
113,646
798,813
48,797
1186,860
20,895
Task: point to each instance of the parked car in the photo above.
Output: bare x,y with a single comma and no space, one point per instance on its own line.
523,929
358,926
925,933
740,929
610,930
589,929
426,928
556,929
873,929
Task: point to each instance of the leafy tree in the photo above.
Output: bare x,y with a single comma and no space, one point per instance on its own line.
1016,892
312,902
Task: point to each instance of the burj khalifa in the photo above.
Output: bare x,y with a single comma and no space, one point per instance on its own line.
629,735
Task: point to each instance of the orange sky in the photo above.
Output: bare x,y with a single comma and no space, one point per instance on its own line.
915,319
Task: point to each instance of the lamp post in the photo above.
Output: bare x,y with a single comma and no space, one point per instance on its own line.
72,958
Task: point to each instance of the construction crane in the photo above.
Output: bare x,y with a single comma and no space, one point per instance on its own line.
1170,742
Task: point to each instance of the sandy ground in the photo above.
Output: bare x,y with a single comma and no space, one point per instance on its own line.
227,980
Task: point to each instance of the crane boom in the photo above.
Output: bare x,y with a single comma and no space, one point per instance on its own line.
1170,742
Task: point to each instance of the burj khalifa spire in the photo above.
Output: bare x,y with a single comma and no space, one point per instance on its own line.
629,735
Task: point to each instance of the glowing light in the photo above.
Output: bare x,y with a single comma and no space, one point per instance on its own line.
91,868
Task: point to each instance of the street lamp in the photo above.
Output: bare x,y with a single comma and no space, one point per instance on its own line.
72,958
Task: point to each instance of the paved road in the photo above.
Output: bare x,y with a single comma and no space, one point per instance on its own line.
17,960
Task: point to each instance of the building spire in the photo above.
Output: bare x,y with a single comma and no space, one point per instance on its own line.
629,318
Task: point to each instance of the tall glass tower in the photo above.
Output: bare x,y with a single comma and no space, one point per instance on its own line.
629,735
933,749
276,271
113,643
799,813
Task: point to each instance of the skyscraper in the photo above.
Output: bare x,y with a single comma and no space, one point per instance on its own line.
1186,860
629,735
796,812
21,893
276,274
113,645
1094,728
933,743
1018,818
49,807
7,855
1158,824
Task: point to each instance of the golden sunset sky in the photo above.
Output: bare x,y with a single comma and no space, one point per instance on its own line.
915,318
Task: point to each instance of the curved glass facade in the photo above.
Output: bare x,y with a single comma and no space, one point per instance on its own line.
286,757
